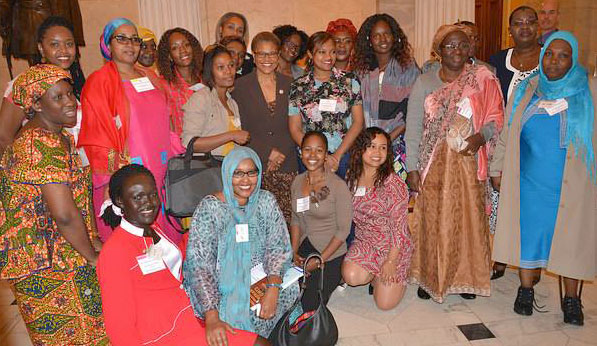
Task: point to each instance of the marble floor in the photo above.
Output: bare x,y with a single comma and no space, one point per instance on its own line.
418,322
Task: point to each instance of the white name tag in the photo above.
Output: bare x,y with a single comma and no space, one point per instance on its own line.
117,121
197,87
149,264
554,107
464,108
142,84
242,233
360,192
302,204
327,105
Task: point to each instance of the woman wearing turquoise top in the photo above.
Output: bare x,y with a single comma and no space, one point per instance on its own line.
546,156
232,231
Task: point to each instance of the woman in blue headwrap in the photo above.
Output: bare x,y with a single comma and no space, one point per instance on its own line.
546,160
126,119
233,231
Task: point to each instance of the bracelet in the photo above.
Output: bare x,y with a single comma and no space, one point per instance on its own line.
278,286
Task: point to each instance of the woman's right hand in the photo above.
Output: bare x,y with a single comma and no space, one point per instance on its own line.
215,331
496,182
298,260
241,137
413,180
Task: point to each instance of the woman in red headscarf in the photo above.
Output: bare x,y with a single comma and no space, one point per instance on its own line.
344,33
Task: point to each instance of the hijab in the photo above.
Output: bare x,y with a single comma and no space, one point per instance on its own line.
106,36
574,87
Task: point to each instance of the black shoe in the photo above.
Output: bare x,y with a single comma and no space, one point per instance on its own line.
572,309
497,273
468,296
370,289
422,294
524,301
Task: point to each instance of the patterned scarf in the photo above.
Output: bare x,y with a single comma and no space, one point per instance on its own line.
33,84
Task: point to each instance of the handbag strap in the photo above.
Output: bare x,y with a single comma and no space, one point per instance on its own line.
188,156
317,256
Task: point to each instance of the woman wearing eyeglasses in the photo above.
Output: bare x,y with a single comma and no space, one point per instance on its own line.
292,48
125,119
262,98
455,115
233,231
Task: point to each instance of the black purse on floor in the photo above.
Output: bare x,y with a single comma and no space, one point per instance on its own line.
313,328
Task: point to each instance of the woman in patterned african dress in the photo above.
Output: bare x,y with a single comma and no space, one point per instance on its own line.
48,243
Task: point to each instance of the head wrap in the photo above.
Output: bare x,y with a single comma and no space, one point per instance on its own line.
574,87
107,35
342,24
441,34
33,84
235,257
146,34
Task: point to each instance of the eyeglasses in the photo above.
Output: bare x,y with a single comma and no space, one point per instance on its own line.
241,174
461,46
264,55
291,45
519,23
122,39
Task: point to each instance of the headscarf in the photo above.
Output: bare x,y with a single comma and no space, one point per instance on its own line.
146,34
342,24
33,84
235,258
574,87
441,34
107,35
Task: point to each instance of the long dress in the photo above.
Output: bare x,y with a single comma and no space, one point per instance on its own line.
270,246
542,159
57,292
380,224
150,309
449,226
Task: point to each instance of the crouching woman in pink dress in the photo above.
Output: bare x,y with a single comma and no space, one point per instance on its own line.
382,249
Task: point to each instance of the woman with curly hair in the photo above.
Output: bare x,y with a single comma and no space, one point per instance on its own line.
382,249
387,69
180,58
294,46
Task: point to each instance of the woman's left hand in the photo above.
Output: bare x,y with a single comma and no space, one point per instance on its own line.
475,142
388,271
269,303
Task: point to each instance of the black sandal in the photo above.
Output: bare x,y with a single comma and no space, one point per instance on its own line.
496,273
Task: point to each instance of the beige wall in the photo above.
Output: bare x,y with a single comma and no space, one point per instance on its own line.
307,15
577,16
95,13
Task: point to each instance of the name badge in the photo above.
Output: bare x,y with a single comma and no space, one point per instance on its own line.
302,204
464,108
150,264
197,87
142,84
360,192
554,107
327,105
242,233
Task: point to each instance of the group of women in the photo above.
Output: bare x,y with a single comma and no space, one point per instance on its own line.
319,158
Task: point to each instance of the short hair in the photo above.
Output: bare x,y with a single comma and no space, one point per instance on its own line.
284,32
319,134
465,22
265,36
116,185
208,60
521,8
318,39
229,39
227,16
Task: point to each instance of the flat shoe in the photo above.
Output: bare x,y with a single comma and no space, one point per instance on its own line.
422,294
468,296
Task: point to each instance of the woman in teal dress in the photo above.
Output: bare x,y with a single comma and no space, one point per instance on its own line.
233,231
548,157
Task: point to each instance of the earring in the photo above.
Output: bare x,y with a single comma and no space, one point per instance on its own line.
43,59
399,40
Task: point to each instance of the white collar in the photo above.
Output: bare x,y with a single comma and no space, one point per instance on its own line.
132,229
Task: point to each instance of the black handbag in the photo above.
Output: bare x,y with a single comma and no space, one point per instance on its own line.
189,178
319,329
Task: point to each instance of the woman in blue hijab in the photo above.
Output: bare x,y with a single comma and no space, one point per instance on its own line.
233,231
545,166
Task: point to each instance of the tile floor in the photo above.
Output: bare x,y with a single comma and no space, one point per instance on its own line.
417,322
